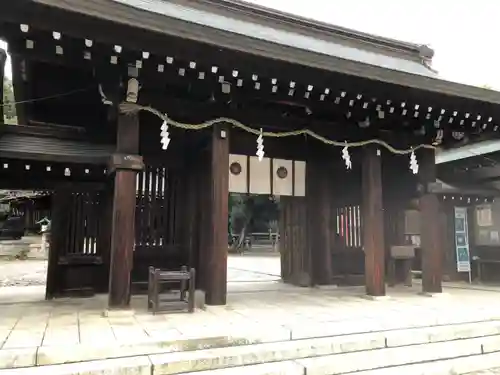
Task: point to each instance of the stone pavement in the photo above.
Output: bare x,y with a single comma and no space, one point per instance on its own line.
259,309
71,330
253,268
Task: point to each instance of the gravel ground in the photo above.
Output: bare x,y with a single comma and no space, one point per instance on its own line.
22,272
246,268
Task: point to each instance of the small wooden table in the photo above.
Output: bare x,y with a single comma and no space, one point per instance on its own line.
186,280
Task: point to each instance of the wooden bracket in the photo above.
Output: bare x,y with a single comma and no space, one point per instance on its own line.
125,162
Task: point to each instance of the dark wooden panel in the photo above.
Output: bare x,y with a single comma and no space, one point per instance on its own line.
319,195
294,248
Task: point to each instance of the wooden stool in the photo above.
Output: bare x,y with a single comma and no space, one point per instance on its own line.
186,280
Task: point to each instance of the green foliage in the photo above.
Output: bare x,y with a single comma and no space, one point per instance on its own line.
9,108
251,213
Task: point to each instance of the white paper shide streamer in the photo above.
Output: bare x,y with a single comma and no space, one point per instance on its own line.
346,157
129,108
164,136
260,146
413,163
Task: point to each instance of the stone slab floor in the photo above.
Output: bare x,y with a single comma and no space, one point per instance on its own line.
259,309
272,312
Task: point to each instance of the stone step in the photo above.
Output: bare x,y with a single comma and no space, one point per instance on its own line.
403,356
328,355
471,365
57,354
348,353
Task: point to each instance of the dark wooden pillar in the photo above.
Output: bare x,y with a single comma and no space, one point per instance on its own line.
60,202
123,222
432,256
204,203
3,59
217,248
319,194
373,222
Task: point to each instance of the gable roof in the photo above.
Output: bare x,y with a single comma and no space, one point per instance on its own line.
240,27
296,32
245,28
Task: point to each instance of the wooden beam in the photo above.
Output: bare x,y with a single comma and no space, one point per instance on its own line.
216,257
124,202
373,221
432,253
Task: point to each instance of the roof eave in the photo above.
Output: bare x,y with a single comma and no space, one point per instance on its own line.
265,12
468,151
154,22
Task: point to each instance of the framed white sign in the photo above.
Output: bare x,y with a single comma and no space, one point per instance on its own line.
483,215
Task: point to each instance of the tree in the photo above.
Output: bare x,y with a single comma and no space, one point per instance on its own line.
9,108
251,213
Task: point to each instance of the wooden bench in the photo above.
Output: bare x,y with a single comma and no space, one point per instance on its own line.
480,263
186,281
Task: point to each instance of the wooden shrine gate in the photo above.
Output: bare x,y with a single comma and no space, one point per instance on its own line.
80,241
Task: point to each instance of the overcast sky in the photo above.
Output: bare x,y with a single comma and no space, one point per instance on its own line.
460,31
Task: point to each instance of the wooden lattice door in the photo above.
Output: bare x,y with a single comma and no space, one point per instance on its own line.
79,241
